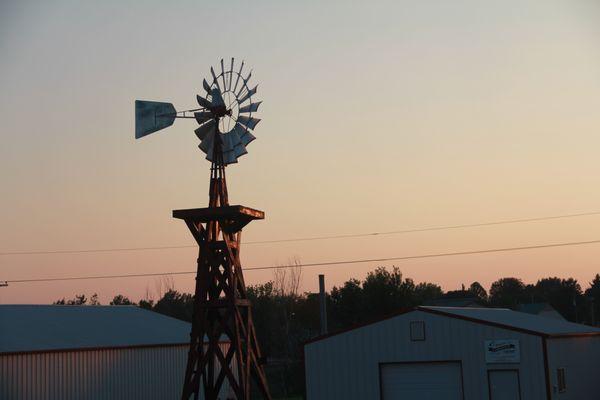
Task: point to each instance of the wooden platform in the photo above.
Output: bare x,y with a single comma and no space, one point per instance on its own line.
232,218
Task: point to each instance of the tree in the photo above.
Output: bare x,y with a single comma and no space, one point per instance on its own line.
120,300
146,304
478,291
347,304
176,305
78,300
507,292
458,294
594,289
386,291
286,280
562,294
94,300
381,293
426,291
266,315
593,295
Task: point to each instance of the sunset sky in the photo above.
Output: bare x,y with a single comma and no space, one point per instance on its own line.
377,116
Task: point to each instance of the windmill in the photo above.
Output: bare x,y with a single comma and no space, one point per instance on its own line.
221,305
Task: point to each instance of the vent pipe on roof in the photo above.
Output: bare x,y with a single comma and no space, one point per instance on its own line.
322,304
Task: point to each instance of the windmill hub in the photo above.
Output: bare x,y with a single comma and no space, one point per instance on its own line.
220,111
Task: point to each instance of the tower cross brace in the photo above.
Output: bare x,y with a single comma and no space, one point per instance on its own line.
221,306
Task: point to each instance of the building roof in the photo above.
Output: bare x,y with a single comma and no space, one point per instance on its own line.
455,302
533,308
542,309
515,320
498,317
38,328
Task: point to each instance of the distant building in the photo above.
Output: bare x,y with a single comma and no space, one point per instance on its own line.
541,309
91,352
455,302
456,354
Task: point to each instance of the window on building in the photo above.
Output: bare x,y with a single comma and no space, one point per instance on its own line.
560,378
417,330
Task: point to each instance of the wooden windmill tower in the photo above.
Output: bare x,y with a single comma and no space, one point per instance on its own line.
221,305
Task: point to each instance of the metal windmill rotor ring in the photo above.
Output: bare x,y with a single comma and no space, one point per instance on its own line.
215,124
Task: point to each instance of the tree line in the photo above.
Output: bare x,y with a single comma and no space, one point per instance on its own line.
285,318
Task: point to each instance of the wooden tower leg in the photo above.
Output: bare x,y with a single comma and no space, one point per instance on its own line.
223,344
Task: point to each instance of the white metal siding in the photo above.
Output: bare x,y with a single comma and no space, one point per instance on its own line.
134,373
138,373
346,366
580,357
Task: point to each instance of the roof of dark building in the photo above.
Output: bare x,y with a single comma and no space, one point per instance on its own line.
455,302
499,317
35,328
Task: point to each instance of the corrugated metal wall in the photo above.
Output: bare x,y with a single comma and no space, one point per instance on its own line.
134,373
582,374
346,366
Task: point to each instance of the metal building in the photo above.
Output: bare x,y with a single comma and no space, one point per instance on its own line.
456,353
90,352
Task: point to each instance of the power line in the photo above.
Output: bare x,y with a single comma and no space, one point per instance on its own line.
320,264
305,239
432,228
116,249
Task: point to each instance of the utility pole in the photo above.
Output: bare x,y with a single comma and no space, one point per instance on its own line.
592,311
3,283
322,304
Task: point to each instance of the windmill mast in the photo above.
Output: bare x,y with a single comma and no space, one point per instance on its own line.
221,305
218,185
224,356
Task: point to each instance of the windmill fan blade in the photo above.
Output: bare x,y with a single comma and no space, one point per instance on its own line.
238,76
238,132
240,150
207,144
235,135
215,80
230,74
206,86
245,84
203,116
217,99
152,116
239,129
246,138
203,102
229,158
223,75
251,92
203,131
252,107
227,149
228,142
248,121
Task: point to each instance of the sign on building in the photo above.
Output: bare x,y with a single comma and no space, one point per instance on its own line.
502,351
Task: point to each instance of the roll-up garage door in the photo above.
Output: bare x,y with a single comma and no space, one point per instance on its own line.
421,381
